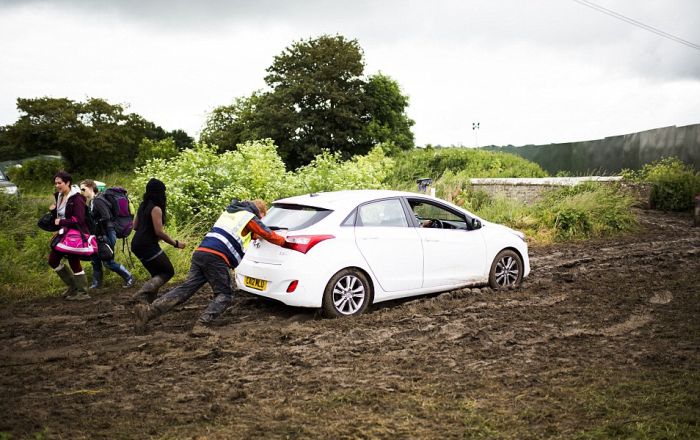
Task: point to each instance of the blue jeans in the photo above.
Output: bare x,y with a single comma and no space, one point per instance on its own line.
111,264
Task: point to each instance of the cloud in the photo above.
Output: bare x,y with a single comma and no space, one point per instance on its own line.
529,71
565,26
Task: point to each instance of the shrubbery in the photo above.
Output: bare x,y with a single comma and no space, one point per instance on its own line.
151,149
201,182
583,211
464,162
674,183
35,170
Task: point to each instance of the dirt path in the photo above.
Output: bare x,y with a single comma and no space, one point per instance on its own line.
525,363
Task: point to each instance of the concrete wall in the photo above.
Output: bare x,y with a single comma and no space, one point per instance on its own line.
612,154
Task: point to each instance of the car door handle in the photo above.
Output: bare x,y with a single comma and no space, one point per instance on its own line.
432,240
369,238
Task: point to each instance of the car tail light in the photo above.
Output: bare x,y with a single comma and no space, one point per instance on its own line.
304,243
292,286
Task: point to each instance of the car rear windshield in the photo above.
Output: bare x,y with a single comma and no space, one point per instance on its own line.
294,217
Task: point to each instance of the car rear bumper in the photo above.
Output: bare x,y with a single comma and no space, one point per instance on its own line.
308,293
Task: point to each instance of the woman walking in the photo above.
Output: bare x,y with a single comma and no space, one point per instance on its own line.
69,211
102,216
148,224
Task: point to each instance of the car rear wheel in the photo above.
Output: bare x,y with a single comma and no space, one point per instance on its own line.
346,294
506,270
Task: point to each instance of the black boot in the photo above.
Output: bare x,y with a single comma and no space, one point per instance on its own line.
147,293
142,314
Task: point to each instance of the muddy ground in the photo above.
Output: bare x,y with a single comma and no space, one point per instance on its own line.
603,340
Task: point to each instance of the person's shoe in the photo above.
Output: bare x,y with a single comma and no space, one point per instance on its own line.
129,282
65,274
144,297
148,291
96,280
142,314
78,296
80,288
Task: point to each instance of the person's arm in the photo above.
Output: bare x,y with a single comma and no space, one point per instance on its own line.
157,218
77,214
259,230
102,214
53,209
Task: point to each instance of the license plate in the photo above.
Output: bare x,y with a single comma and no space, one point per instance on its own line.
255,283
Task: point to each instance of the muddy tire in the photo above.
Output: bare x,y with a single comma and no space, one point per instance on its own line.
506,270
347,293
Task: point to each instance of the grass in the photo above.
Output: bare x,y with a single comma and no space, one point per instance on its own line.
581,212
590,404
24,272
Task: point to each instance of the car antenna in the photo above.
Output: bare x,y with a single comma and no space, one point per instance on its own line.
311,193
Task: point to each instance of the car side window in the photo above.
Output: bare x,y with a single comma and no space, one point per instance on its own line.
446,219
382,213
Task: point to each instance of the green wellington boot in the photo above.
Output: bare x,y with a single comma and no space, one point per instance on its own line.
80,287
66,275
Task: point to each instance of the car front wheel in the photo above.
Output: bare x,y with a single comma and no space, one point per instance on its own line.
506,270
346,294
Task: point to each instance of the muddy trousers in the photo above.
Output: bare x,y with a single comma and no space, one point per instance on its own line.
205,268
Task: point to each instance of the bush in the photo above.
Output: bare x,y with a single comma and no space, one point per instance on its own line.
150,149
434,162
327,172
201,182
583,211
674,183
587,210
35,171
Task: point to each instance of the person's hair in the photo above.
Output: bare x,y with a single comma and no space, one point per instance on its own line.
67,178
155,193
90,184
261,205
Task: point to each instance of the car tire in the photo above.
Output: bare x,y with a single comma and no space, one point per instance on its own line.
506,270
347,293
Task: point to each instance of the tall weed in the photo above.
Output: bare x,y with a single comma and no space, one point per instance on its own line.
674,183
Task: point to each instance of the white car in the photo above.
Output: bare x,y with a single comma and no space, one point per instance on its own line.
346,250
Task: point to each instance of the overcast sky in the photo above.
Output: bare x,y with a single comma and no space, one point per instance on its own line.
529,71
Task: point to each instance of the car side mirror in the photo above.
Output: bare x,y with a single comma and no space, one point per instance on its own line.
476,223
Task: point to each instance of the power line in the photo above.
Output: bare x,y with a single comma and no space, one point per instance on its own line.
637,23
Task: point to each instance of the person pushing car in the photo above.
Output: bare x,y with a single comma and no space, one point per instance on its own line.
221,249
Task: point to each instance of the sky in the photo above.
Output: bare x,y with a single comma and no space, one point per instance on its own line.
528,71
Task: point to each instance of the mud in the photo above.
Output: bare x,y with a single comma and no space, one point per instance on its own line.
431,367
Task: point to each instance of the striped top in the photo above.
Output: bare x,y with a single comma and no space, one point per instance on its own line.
231,234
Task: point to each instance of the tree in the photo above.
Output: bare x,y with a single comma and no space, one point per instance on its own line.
318,92
317,100
92,136
230,125
386,107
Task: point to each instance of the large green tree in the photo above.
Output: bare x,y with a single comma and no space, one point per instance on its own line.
317,98
92,136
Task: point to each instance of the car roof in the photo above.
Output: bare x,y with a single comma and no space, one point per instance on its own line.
349,198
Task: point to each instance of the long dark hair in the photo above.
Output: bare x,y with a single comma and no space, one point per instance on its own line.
155,193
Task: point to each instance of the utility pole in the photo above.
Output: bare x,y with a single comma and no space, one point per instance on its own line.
475,129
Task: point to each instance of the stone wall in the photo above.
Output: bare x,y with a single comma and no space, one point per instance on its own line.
531,190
